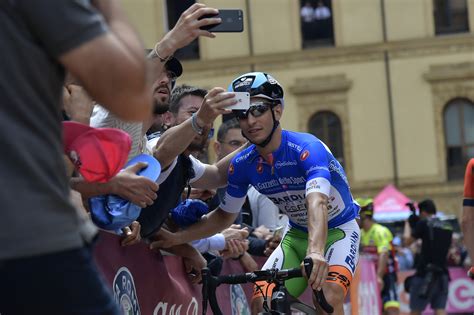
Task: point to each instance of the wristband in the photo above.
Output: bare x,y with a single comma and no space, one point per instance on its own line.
155,54
196,128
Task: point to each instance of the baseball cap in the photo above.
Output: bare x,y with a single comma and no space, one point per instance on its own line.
366,206
189,212
111,212
98,154
173,64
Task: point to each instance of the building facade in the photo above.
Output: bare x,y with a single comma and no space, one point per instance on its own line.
387,84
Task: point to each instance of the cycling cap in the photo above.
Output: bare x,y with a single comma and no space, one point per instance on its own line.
258,84
366,206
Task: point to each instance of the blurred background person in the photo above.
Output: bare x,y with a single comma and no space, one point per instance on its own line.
430,282
376,243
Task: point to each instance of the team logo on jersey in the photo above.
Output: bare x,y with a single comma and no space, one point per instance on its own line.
304,155
231,169
124,292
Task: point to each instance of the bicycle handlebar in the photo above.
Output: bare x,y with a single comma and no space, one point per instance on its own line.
210,283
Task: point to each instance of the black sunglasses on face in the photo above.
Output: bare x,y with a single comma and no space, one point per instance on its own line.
255,110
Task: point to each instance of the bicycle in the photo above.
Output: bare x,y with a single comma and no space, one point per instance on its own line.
281,303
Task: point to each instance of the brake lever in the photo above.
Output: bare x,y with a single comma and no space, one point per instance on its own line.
308,267
205,274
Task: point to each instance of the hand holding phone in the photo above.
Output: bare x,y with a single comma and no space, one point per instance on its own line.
243,101
232,21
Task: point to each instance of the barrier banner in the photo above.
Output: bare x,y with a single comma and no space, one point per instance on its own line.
146,282
369,300
460,296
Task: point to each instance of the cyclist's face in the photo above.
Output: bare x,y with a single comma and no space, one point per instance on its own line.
258,122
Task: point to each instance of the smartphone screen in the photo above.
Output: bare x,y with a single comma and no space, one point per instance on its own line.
243,101
232,21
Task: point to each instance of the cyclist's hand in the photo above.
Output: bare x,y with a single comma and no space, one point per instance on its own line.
319,272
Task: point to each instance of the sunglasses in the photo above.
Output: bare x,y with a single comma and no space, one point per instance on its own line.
256,109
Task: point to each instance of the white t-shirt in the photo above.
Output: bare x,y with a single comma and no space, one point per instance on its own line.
307,14
322,13
198,166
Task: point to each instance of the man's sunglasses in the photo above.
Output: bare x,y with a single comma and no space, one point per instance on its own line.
257,110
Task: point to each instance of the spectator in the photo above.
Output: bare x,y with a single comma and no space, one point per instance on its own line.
430,282
166,69
173,149
376,243
43,255
307,13
322,12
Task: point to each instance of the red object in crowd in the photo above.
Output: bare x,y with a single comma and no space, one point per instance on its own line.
97,153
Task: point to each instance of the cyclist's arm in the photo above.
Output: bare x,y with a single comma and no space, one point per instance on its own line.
317,205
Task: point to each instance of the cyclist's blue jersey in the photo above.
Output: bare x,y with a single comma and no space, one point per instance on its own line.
301,165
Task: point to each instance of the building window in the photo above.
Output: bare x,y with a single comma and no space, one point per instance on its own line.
459,134
174,9
316,23
327,127
450,16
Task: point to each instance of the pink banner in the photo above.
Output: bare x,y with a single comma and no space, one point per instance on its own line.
145,282
369,293
460,296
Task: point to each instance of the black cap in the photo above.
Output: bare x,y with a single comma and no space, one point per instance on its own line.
174,65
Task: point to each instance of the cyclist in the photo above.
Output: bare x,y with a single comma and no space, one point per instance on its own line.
376,243
298,172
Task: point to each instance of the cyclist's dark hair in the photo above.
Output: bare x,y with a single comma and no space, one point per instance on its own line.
427,206
225,127
181,91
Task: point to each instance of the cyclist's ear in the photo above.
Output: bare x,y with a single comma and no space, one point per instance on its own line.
278,111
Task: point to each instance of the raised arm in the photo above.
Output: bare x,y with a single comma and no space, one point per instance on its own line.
177,139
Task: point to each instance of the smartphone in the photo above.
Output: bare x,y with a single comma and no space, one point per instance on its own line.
243,101
232,22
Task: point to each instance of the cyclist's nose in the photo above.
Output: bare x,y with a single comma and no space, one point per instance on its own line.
251,119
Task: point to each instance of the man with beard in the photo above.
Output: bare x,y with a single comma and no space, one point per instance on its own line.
184,32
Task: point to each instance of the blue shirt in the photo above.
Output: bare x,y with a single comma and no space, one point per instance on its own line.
302,164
